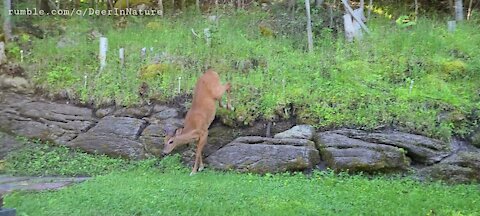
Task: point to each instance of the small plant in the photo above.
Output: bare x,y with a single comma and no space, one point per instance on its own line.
61,75
405,21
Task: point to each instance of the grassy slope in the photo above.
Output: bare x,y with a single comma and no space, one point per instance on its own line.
353,85
170,191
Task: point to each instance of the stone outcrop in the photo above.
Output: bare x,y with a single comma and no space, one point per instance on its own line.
265,155
297,132
12,78
463,167
55,122
344,153
419,148
475,138
138,132
113,136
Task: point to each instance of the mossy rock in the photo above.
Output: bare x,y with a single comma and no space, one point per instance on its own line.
122,4
151,71
456,116
476,139
266,31
2,166
453,69
154,25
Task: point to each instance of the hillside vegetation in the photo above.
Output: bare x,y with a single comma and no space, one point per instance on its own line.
420,79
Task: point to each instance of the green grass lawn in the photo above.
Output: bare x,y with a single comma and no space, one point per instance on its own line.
169,190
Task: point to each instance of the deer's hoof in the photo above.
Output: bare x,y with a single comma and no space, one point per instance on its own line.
201,168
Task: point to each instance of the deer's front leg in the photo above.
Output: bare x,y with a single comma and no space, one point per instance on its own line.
220,91
198,154
227,89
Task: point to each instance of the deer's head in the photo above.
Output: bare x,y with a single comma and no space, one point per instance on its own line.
170,135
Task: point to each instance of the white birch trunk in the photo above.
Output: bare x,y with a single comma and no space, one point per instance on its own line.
143,53
7,19
121,56
370,7
160,6
357,18
309,26
103,52
469,13
458,10
451,25
3,57
348,27
416,9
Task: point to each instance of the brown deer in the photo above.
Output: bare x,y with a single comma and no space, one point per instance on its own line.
208,91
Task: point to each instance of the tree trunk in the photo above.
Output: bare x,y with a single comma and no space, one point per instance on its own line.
330,14
43,5
318,3
110,4
3,57
309,26
7,19
469,13
416,9
459,10
451,7
291,7
370,7
182,5
160,6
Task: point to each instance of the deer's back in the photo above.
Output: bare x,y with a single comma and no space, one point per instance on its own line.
203,109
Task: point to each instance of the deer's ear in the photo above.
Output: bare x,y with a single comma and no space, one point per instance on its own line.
178,131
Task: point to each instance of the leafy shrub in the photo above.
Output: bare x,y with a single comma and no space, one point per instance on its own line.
61,75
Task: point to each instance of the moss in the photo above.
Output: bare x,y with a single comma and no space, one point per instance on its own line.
450,173
153,25
453,69
2,166
151,71
476,139
298,164
266,31
227,117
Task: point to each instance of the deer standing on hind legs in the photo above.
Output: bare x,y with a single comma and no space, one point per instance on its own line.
208,91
